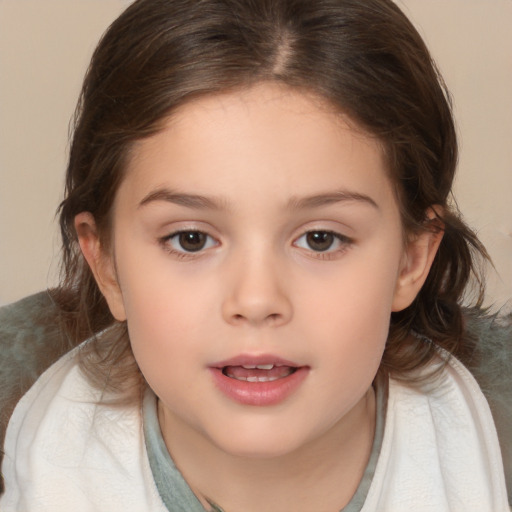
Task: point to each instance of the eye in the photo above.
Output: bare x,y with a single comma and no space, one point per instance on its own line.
189,241
322,241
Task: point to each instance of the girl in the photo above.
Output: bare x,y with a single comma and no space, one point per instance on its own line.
260,247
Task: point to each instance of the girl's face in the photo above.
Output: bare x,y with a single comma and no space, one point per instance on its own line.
258,255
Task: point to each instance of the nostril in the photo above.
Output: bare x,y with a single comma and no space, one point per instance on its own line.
270,318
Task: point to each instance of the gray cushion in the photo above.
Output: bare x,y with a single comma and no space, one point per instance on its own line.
492,368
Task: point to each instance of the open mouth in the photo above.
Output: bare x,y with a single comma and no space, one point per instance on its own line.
261,380
259,372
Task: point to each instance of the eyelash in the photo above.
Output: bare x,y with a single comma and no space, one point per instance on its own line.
343,243
167,240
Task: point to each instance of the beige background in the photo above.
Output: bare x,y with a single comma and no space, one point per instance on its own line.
44,50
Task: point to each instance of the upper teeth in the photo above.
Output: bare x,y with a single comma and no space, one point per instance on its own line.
258,366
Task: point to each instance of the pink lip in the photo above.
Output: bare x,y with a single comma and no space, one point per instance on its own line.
258,393
242,360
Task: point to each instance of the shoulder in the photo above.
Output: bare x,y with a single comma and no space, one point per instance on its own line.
67,449
30,341
61,386
440,441
58,401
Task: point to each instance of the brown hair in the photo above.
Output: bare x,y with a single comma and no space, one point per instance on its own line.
363,56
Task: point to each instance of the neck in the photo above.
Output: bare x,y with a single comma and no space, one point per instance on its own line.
322,475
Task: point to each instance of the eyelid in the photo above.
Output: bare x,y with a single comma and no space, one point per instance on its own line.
338,236
343,243
181,253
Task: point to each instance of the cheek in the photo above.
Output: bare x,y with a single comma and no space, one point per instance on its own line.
359,294
159,315
165,335
154,289
354,314
161,310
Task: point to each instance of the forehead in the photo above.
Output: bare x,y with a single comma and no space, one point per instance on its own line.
265,139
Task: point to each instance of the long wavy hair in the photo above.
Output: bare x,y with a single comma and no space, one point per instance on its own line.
363,56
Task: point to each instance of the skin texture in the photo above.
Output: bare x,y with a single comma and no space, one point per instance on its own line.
269,165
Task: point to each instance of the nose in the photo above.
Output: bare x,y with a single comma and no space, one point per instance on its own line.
256,293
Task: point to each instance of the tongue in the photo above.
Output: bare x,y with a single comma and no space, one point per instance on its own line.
239,372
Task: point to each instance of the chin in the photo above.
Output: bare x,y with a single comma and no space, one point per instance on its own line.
258,452
259,444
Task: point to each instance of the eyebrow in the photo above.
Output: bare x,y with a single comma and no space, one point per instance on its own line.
199,202
317,200
194,201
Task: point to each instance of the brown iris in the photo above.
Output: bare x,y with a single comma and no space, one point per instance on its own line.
192,241
320,240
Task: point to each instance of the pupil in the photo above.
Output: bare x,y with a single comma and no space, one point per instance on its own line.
192,240
320,240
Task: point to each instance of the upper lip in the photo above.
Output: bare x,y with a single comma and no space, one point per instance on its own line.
253,360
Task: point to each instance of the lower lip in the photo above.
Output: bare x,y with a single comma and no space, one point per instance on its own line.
259,393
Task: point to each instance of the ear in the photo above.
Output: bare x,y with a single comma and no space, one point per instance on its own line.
101,263
418,258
